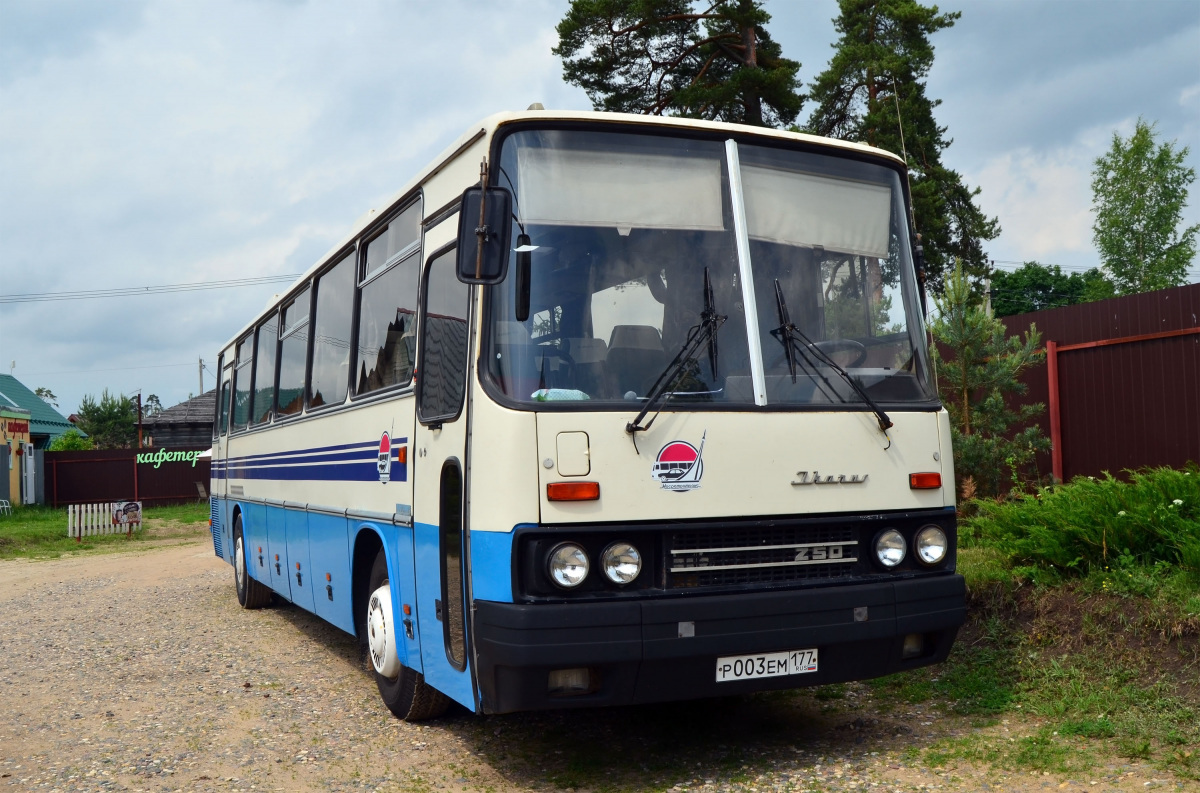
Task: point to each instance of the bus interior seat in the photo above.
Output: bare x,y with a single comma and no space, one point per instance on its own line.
635,358
589,356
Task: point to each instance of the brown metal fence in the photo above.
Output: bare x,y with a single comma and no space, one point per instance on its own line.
1121,382
116,475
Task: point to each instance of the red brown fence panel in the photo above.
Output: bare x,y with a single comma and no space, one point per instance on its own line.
1121,382
163,476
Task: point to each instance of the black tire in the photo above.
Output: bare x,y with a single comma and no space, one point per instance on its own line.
250,593
406,695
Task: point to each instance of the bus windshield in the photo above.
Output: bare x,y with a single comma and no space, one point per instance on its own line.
632,238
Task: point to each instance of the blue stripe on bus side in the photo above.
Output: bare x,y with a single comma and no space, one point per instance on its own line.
349,451
339,472
319,450
318,464
491,566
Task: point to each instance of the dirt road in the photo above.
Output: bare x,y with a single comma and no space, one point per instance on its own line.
138,671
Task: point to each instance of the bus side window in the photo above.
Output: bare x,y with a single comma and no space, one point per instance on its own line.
264,372
242,383
387,328
330,379
293,354
222,420
443,367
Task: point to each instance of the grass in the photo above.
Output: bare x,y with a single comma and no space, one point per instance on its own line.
36,532
1084,629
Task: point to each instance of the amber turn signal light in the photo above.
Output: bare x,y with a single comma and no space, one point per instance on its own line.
925,481
573,491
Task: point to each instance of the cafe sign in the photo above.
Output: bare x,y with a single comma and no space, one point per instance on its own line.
157,458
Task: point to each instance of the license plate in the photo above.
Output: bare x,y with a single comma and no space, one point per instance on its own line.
748,667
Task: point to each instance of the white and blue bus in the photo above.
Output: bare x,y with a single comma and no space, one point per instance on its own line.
603,409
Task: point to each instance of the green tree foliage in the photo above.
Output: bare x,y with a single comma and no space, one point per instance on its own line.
882,58
714,60
151,406
984,368
1139,190
111,423
1033,287
46,395
70,441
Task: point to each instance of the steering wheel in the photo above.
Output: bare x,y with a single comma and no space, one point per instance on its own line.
830,347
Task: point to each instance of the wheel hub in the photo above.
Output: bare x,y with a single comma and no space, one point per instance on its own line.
239,564
381,633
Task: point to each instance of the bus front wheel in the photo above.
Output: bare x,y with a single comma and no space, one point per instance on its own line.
250,593
404,690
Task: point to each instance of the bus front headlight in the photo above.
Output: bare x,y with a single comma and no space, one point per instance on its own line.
930,544
621,563
890,548
568,565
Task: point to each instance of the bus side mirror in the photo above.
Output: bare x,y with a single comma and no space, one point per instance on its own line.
484,229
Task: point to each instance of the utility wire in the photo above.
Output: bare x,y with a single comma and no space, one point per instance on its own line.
130,291
113,369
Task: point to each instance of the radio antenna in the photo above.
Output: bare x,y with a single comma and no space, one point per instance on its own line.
904,151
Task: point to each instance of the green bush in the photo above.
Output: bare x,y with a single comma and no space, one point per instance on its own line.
1095,523
70,441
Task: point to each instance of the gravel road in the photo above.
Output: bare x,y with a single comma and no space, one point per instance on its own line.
138,672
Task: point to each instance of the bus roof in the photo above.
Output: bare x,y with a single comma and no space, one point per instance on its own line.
490,124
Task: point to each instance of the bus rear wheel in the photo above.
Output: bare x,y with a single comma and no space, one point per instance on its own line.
404,690
250,593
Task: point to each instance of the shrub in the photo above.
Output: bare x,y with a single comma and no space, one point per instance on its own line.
70,441
1093,523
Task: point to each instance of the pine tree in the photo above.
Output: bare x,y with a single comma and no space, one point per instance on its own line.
882,58
111,423
1140,190
655,57
990,445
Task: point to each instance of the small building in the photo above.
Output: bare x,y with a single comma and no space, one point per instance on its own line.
45,423
187,425
14,446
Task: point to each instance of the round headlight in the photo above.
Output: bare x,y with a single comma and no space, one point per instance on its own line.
621,562
890,548
568,565
931,544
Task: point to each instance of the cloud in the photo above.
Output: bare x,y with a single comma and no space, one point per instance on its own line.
172,143
1043,199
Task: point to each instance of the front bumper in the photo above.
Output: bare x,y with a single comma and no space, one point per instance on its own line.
636,653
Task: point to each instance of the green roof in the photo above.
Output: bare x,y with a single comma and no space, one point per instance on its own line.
44,419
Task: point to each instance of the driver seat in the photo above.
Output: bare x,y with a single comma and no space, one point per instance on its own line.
635,358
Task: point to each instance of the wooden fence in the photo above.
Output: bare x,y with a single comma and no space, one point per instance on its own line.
115,517
1121,382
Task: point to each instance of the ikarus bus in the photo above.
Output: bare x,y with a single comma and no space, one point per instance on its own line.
603,409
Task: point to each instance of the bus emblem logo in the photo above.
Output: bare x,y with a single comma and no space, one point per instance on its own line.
679,465
384,463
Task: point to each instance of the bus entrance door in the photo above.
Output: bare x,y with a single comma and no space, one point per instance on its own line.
439,466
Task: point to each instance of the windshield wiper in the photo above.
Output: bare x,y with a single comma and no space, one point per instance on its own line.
710,323
794,341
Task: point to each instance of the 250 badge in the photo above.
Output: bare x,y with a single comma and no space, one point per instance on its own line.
814,554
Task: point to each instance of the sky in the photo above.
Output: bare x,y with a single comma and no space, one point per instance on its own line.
150,142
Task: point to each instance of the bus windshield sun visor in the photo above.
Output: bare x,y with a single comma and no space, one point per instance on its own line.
795,342
706,330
